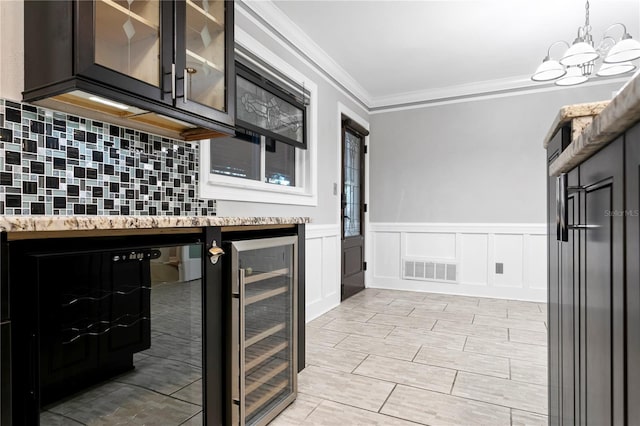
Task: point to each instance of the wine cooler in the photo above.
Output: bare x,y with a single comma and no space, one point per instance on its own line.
264,328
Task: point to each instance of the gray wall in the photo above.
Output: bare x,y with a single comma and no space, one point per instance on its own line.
478,161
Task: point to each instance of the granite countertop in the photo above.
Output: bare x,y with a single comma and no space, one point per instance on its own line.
621,113
581,114
84,223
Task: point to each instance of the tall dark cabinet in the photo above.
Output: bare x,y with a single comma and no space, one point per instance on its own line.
594,296
632,269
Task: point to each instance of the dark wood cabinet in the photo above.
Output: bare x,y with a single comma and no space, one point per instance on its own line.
144,63
632,269
601,310
66,282
593,308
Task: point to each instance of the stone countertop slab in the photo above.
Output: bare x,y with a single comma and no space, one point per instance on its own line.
85,223
582,113
622,112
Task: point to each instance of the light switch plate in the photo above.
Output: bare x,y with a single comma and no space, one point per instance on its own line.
499,268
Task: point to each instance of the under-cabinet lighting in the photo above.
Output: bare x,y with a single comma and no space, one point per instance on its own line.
108,102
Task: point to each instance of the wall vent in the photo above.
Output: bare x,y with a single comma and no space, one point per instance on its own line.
426,270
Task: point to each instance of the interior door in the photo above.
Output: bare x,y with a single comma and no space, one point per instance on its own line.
352,208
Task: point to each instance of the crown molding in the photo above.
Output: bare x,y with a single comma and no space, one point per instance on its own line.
281,27
481,91
293,34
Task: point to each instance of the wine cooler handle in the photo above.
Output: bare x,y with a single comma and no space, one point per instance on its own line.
242,348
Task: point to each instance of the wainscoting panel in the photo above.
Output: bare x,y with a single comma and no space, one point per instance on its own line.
493,260
322,265
474,252
386,254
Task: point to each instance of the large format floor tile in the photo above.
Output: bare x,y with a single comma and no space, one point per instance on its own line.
530,372
453,327
510,323
525,418
417,336
359,328
350,389
524,351
334,358
527,336
382,347
483,362
509,393
433,408
464,361
400,321
331,413
408,373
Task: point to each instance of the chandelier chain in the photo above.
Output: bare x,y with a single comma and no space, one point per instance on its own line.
586,13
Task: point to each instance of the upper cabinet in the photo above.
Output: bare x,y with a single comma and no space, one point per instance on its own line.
158,65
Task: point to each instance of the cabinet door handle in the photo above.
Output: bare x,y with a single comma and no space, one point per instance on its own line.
580,226
173,81
186,80
561,208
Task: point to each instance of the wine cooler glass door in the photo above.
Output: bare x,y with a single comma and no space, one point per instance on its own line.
264,321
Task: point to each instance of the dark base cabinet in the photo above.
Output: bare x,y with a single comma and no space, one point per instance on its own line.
80,310
594,310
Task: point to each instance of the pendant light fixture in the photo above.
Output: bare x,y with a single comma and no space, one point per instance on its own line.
577,63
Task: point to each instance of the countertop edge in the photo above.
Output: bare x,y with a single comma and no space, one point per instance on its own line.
617,117
85,223
569,112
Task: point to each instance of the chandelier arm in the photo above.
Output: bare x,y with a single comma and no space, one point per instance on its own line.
553,44
624,29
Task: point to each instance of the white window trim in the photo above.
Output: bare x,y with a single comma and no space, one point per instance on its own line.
220,187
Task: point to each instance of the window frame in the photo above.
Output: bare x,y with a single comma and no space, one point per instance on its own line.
221,187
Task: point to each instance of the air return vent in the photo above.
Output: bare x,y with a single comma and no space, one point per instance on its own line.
429,271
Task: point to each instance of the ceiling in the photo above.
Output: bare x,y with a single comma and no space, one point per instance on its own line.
401,50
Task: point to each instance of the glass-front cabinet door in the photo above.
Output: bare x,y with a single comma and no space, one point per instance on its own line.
128,44
264,321
179,53
202,59
128,38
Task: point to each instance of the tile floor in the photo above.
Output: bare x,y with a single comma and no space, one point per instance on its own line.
387,357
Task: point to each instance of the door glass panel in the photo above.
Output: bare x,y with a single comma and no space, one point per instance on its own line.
121,338
205,41
351,184
128,38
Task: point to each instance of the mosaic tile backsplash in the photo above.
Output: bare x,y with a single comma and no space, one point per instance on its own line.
59,164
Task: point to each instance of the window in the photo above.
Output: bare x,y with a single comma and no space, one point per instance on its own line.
271,158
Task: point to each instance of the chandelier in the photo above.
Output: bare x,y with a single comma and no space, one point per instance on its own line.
579,59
